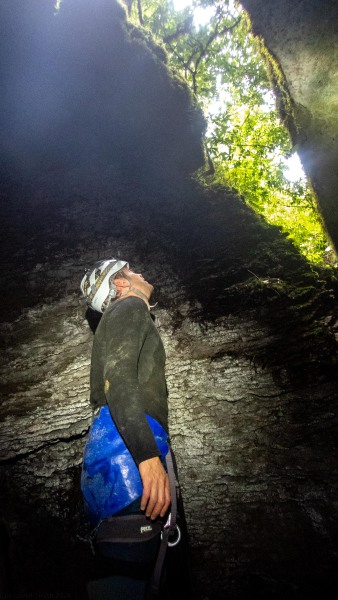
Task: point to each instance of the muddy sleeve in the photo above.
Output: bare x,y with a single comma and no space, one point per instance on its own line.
126,330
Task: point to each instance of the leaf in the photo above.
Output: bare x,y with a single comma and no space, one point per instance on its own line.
247,142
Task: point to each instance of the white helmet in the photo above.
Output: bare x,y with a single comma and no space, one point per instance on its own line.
95,285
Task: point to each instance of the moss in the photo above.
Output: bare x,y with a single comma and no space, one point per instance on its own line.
285,104
140,34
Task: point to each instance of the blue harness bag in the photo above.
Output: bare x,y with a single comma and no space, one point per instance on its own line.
110,479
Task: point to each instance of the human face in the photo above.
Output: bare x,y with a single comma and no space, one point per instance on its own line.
139,282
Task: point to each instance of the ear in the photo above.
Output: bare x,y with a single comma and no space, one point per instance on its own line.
121,282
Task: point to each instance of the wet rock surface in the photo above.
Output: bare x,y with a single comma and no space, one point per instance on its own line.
249,331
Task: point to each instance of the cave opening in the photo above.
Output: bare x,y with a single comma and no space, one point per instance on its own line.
250,329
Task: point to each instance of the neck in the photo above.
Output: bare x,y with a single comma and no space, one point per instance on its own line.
133,291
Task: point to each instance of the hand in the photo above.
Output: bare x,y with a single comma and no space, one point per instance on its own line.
156,491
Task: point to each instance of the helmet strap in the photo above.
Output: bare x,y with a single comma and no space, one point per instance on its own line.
133,289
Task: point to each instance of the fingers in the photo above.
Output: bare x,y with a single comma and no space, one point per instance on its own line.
158,500
156,491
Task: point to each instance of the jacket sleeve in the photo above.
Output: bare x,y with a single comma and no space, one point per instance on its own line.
126,330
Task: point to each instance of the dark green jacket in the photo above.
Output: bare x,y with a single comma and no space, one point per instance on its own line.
127,372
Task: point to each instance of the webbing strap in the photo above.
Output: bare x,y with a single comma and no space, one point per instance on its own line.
173,491
154,584
155,581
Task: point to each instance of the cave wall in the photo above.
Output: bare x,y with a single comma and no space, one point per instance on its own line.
250,332
302,39
83,86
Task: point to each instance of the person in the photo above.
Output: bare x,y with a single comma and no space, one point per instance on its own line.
128,392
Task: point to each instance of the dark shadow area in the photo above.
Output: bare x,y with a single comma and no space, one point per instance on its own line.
93,317
84,87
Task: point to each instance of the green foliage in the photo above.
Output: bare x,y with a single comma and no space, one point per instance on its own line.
246,142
